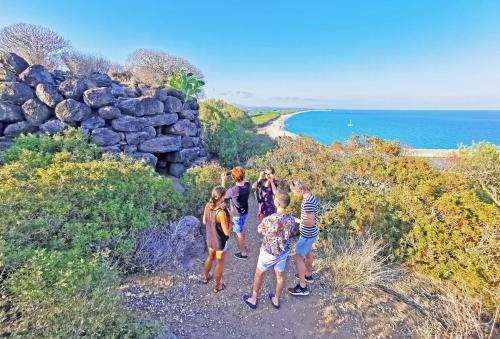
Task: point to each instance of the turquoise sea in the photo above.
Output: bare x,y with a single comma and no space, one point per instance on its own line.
417,129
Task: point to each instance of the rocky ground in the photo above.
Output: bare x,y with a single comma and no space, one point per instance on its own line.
192,310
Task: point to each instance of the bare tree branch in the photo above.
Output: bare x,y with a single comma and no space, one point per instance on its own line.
79,63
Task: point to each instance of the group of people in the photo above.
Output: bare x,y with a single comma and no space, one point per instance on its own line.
227,211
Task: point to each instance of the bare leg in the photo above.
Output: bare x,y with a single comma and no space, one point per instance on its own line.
241,243
280,284
301,269
207,267
309,263
219,268
257,283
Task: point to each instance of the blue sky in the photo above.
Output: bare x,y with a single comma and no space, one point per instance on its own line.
324,54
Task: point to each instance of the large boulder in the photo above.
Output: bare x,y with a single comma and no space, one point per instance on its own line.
36,74
15,92
48,94
10,112
93,123
105,137
188,114
109,112
161,144
183,127
166,119
53,127
191,104
117,90
18,128
180,245
128,124
73,88
172,104
176,169
36,112
176,93
158,93
135,138
182,156
7,75
140,106
71,111
99,80
149,158
98,97
13,61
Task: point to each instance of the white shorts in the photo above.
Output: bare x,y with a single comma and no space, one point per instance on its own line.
267,261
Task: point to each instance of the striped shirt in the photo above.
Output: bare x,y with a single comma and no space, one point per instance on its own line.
309,205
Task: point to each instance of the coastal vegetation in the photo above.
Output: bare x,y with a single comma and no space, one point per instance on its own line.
260,117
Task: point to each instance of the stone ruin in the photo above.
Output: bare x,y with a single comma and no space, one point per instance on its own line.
155,124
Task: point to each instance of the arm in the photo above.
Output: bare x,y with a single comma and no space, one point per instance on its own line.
259,181
204,219
223,179
226,225
273,185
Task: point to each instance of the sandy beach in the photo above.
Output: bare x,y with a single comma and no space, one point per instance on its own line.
276,128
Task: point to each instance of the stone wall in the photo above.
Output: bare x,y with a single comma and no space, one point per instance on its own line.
156,124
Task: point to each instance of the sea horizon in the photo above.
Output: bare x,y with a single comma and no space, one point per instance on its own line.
414,128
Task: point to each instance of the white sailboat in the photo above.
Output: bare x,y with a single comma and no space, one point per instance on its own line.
349,124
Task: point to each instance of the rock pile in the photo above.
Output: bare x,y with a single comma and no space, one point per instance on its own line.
155,124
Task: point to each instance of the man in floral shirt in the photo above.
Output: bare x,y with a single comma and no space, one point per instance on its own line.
276,230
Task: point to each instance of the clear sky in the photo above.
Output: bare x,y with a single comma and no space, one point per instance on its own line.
325,54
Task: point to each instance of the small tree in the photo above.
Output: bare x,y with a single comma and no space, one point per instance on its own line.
36,44
154,67
79,63
481,164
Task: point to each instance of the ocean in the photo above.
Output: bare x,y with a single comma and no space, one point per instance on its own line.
417,129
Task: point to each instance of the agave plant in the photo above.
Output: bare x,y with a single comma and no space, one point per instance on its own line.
187,83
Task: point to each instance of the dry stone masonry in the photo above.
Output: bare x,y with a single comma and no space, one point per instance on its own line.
155,124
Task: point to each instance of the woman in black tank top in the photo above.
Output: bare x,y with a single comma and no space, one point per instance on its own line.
217,222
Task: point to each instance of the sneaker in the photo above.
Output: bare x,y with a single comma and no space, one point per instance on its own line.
240,256
309,279
297,290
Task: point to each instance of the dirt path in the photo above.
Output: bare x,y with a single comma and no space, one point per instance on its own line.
194,311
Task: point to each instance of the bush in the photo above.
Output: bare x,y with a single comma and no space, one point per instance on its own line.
199,182
214,111
62,295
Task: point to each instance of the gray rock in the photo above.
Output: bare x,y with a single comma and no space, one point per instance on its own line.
158,93
129,149
109,112
7,75
71,111
73,88
187,142
128,124
104,137
10,112
161,144
93,122
176,169
98,97
36,112
13,61
151,131
18,128
182,156
113,148
149,158
48,94
135,138
183,127
140,106
166,119
188,114
99,80
15,92
53,127
175,93
172,104
192,105
117,90
131,92
196,141
36,74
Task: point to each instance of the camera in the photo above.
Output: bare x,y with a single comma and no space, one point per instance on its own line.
228,173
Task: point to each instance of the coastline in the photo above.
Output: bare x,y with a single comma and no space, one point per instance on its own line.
276,128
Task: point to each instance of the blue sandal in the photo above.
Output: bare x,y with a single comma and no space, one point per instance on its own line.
271,296
245,300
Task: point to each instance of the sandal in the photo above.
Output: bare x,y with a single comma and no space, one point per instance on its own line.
249,304
271,296
220,288
205,281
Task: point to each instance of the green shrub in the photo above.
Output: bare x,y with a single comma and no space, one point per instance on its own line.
199,182
187,83
213,111
61,295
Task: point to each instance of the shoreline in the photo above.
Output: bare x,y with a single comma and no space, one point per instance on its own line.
276,128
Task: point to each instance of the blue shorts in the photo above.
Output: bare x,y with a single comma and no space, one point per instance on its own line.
304,245
239,222
267,261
